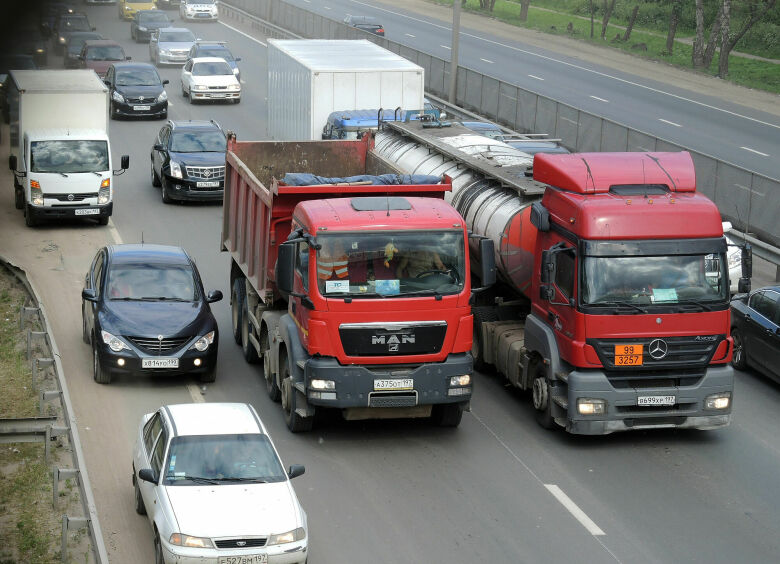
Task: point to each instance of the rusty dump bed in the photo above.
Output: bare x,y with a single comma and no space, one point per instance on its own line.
257,210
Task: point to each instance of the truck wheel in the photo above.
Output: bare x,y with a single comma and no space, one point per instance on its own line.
542,399
155,177
29,219
100,376
236,308
250,354
270,378
481,314
447,414
739,359
140,508
295,422
18,199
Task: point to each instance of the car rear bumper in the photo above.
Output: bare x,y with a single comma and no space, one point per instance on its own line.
292,553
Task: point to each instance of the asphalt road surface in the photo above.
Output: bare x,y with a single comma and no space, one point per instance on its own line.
497,489
701,121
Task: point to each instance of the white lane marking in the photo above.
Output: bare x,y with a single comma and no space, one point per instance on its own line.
754,151
114,232
554,60
326,7
409,35
670,122
536,77
448,48
244,34
600,99
197,397
486,60
574,509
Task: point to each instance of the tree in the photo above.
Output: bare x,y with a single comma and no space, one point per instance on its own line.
757,9
702,54
524,4
674,19
607,14
487,4
590,5
631,21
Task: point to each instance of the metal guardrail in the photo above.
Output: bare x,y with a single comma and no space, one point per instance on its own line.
760,248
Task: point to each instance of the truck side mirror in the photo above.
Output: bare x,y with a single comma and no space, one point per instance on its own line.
487,260
125,162
743,286
12,162
540,217
285,268
747,261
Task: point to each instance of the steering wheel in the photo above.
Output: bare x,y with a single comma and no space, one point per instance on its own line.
447,271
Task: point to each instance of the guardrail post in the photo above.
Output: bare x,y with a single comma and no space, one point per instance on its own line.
48,396
30,336
52,433
25,312
37,364
60,474
67,524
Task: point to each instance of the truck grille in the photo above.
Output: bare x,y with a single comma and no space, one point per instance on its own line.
392,339
70,197
240,543
152,345
206,172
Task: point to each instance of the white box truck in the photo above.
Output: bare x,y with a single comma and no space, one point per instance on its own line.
310,78
60,151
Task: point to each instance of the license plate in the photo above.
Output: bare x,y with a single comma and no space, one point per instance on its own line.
394,384
628,355
87,211
217,95
656,400
159,363
248,559
209,184
142,108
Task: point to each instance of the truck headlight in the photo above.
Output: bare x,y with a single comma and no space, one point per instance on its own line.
114,343
203,343
140,28
718,401
323,384
590,406
36,194
464,380
162,97
234,87
289,536
117,97
175,169
104,195
192,542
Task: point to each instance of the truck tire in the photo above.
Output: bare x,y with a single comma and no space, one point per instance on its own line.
29,219
271,385
98,374
481,314
739,358
542,399
447,414
237,308
18,199
250,353
295,422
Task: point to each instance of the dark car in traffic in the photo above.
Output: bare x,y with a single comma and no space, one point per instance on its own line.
73,47
100,54
146,21
755,328
188,161
216,49
26,38
365,23
65,25
144,312
136,90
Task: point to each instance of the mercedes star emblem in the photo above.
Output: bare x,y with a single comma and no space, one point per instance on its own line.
141,98
658,349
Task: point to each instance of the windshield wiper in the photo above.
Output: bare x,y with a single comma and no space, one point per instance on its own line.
162,299
620,304
198,479
694,302
236,479
354,295
125,299
96,173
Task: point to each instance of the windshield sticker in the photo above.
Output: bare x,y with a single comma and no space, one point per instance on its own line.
664,295
388,287
336,286
173,463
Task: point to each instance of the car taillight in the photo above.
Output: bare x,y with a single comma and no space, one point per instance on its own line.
380,31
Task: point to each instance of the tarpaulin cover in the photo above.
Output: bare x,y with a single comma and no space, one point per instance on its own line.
306,179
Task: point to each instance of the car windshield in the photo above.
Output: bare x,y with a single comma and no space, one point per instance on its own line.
68,156
74,24
137,77
215,52
198,142
153,17
105,53
76,42
156,282
390,263
212,68
645,280
242,457
177,37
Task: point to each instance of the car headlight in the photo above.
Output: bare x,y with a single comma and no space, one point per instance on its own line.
175,169
117,97
166,52
192,542
463,380
162,97
203,343
141,28
104,195
36,194
62,40
234,87
114,343
200,87
236,71
718,401
128,8
39,50
289,536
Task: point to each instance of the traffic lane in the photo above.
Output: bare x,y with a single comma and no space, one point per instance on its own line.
658,495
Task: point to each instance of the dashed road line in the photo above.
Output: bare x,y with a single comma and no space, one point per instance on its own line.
409,35
754,151
486,60
670,122
600,99
574,509
535,77
446,47
197,397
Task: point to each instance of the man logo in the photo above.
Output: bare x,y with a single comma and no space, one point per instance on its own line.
392,341
658,349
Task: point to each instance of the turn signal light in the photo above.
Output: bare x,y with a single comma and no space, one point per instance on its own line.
35,184
106,183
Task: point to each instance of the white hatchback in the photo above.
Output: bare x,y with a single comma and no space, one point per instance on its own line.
209,78
211,482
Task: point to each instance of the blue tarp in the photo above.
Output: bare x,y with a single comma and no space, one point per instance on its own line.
306,179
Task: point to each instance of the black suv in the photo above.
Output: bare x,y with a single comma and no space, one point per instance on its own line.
145,21
66,24
366,24
188,161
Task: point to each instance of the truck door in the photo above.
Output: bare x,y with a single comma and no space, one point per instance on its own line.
562,316
300,307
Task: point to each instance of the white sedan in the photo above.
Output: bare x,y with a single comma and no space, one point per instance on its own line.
211,482
209,78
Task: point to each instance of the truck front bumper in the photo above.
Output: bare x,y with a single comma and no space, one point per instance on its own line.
622,411
75,211
362,386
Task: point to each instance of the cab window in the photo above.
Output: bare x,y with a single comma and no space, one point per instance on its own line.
152,431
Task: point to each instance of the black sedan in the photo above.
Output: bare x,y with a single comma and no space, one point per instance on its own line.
74,45
146,21
755,328
144,311
136,90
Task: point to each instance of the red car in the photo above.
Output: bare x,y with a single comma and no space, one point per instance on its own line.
99,54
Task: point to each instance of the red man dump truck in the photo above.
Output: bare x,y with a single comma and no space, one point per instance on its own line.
607,306
354,296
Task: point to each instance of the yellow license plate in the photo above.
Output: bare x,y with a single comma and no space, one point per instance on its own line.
628,355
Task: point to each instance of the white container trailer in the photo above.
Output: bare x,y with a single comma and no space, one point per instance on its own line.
310,78
60,150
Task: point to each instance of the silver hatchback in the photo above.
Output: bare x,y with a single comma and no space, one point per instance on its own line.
171,45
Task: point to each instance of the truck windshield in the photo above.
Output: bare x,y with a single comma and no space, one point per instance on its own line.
69,156
391,263
647,280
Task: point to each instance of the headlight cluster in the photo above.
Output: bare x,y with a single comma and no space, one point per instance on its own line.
36,194
290,536
104,195
162,97
191,542
203,343
114,343
175,169
234,87
117,97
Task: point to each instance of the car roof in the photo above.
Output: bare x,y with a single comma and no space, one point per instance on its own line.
194,124
213,419
101,43
148,253
208,60
175,29
121,65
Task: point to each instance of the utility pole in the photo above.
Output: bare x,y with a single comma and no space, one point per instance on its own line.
454,51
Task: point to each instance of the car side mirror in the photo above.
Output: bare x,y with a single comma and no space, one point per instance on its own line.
296,470
743,286
214,296
12,162
128,58
107,82
158,147
147,475
166,81
237,59
88,294
125,162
